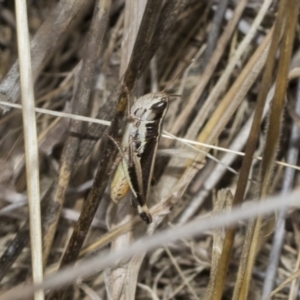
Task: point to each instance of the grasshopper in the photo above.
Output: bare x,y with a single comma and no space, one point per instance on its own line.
141,140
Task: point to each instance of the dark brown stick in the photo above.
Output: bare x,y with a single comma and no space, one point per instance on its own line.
109,151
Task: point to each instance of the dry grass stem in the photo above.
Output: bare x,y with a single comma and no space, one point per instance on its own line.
31,146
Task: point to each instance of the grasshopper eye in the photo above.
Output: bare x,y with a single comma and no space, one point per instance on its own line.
159,106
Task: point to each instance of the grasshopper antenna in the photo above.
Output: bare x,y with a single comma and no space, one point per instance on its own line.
177,76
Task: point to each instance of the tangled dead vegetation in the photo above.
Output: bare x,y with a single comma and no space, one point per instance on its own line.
230,137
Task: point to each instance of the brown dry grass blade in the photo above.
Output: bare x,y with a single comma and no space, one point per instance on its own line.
273,132
249,151
223,202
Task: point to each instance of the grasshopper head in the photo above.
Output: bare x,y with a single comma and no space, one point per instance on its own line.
150,107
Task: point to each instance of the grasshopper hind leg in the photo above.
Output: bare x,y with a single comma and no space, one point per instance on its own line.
143,210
